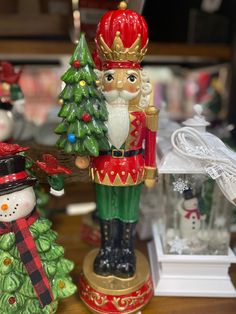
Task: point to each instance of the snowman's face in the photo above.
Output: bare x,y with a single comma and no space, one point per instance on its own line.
6,125
17,204
191,204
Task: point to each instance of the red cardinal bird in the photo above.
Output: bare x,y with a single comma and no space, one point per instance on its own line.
7,149
8,74
51,165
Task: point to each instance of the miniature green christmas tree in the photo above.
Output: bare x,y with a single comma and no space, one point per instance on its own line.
16,291
83,110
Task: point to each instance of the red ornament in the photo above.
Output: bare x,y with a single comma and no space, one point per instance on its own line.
76,64
86,117
12,300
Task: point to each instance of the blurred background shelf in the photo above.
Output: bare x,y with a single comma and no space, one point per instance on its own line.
60,47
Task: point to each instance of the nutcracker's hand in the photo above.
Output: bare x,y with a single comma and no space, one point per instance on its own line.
82,162
150,176
149,183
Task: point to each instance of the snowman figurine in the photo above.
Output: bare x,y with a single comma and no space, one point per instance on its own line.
10,94
34,274
190,216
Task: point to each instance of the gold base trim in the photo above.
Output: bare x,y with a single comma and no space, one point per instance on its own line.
130,312
112,285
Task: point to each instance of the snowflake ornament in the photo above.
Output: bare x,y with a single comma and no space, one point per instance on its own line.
180,185
178,245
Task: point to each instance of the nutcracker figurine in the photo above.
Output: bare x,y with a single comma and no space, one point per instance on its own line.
117,274
10,94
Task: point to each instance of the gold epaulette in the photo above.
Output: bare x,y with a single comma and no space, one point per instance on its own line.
152,118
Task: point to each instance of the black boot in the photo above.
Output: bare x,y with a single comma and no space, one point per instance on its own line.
117,243
103,261
126,263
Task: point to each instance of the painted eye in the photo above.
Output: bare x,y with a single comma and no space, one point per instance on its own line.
132,78
109,78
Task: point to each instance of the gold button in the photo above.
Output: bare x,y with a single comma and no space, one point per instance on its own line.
61,101
138,122
82,83
134,171
123,173
102,171
7,261
112,173
61,284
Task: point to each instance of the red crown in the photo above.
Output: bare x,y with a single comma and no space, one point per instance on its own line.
122,36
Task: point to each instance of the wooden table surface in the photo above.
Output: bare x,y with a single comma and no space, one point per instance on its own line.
69,236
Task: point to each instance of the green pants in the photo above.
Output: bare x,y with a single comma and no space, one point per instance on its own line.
118,202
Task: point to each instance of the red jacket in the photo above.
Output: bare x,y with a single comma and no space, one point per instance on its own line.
126,171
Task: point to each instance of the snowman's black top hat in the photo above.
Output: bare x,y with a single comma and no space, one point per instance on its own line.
5,106
188,194
13,176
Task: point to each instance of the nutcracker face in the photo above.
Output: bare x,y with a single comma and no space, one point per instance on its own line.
17,204
6,125
122,84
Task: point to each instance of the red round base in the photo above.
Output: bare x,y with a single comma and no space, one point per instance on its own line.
114,295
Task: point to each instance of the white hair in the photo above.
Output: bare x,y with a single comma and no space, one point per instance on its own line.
146,87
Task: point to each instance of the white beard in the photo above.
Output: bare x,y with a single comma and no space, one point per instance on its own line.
118,122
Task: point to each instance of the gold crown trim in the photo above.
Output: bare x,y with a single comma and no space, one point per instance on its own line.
118,52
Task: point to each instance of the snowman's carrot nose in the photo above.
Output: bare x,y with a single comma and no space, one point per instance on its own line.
4,207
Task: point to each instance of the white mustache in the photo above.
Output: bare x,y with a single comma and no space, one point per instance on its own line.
114,94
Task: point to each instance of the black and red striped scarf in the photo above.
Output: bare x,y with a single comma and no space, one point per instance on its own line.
29,255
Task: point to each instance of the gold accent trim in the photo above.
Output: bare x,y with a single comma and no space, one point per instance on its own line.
130,137
135,311
118,52
150,172
91,173
122,303
95,297
135,108
122,5
152,118
112,285
117,182
118,150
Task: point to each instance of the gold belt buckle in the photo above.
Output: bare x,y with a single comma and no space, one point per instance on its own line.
118,150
